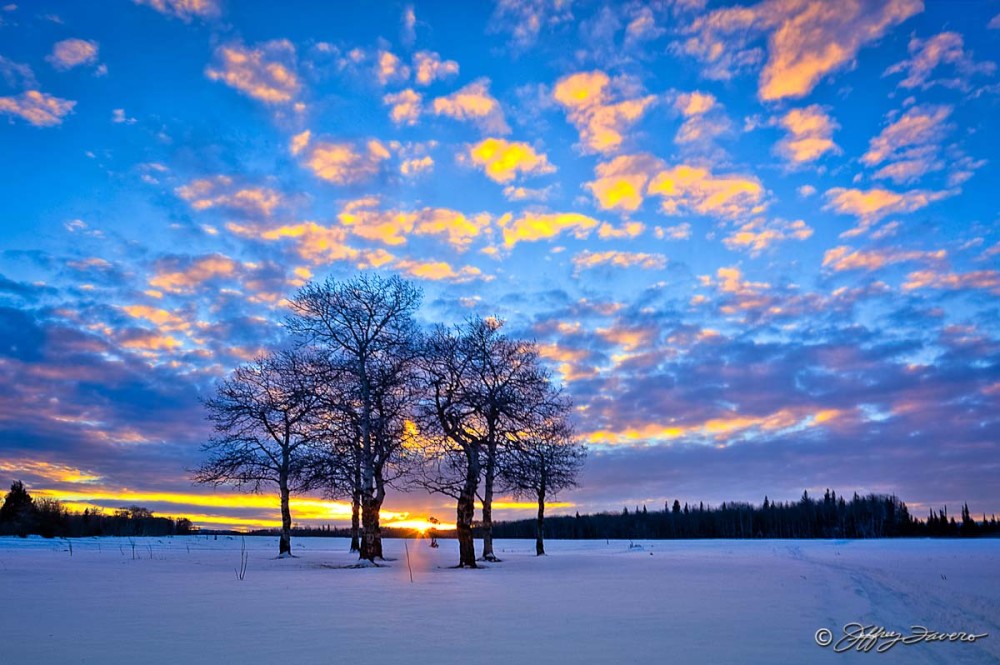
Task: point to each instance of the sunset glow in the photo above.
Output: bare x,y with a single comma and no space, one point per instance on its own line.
757,243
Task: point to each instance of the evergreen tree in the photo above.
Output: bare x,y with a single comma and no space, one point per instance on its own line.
18,511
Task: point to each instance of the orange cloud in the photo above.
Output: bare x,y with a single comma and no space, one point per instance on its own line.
926,55
390,68
730,280
874,204
756,236
60,473
718,428
405,106
474,103
810,132
342,163
313,242
38,108
70,53
531,226
149,341
502,160
440,270
587,260
628,338
366,220
429,67
679,232
986,280
687,188
299,142
910,144
184,9
267,72
704,119
806,40
161,318
174,278
220,192
569,362
586,96
642,27
694,103
845,258
626,231
741,296
416,166
621,183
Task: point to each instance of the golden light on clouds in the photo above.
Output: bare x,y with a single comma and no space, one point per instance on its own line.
474,103
587,98
38,108
716,428
266,72
503,160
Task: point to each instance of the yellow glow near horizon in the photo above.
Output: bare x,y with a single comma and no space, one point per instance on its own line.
209,510
420,525
305,511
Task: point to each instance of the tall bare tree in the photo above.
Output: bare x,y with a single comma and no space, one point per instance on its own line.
482,389
364,327
337,468
451,433
545,461
264,419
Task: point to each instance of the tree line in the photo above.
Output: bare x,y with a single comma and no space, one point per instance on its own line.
871,516
22,515
361,398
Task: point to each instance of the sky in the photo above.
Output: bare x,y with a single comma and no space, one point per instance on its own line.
758,244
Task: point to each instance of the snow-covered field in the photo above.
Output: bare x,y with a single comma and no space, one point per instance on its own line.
179,601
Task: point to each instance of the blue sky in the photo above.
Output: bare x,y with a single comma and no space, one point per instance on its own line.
757,242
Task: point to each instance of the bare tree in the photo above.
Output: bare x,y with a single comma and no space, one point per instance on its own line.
546,461
263,415
338,446
452,441
482,389
364,327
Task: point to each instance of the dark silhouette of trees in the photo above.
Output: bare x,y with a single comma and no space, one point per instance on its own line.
545,461
339,447
482,390
363,328
17,515
871,516
23,516
452,442
264,416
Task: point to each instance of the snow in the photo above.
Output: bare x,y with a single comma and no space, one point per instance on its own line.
709,601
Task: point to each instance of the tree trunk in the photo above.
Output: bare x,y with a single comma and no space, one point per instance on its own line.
285,543
466,510
540,525
371,543
488,554
376,512
355,521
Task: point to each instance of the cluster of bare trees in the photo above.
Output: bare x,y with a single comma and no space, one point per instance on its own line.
364,399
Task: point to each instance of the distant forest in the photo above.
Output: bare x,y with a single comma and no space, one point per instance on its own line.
21,515
871,516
